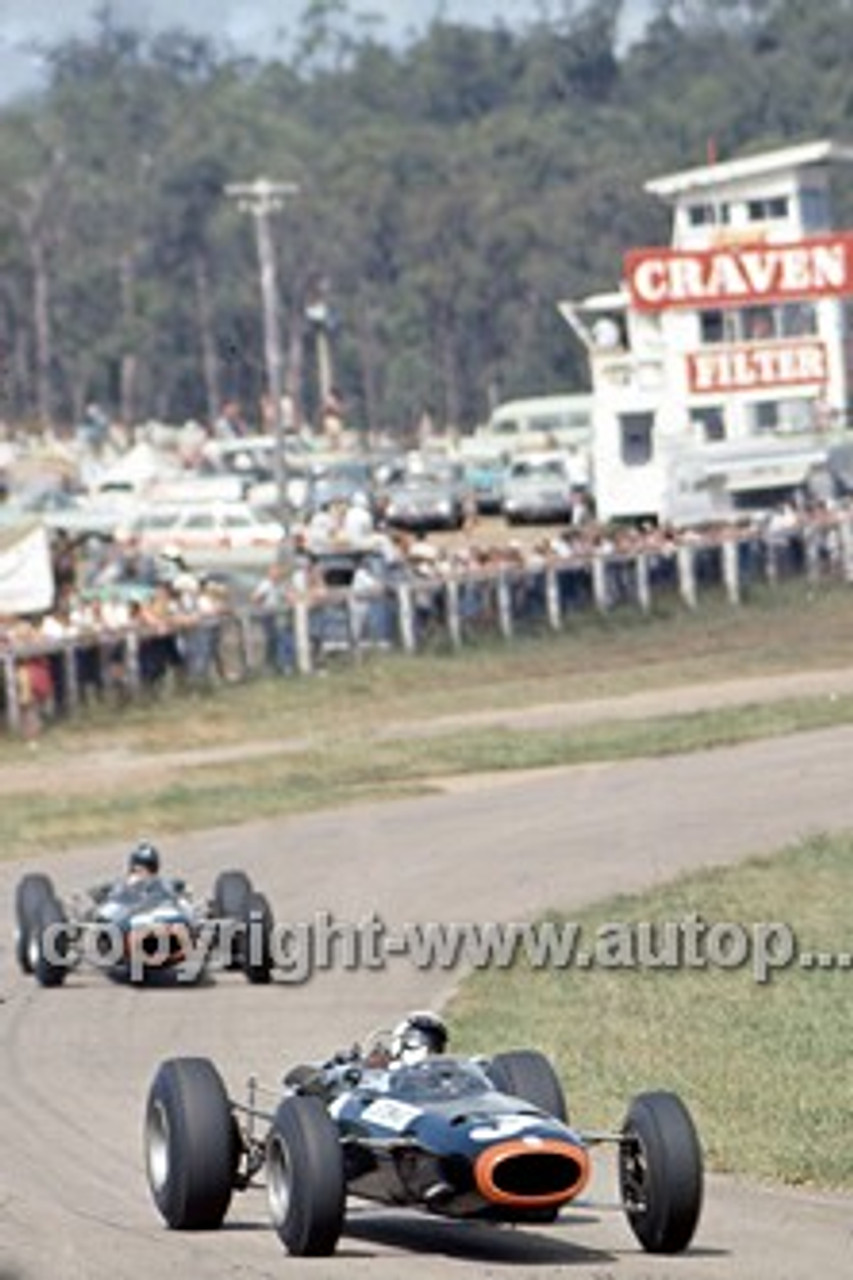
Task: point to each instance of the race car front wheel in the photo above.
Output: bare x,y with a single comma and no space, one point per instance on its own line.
528,1074
660,1172
257,939
48,946
190,1152
305,1179
31,892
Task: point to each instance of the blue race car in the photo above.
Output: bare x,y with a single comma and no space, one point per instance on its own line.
467,1138
142,926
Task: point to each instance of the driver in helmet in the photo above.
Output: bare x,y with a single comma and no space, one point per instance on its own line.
143,863
418,1036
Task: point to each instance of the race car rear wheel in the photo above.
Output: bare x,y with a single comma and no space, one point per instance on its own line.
660,1172
257,939
48,946
231,892
528,1074
305,1179
190,1138
31,892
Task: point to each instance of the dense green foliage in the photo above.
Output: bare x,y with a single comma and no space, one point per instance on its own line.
451,192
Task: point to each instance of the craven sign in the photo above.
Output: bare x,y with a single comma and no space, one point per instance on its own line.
735,275
749,367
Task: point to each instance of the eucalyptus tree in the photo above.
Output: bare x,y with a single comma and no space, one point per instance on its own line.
122,100
34,164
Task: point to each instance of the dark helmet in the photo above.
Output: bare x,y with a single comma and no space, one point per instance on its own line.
144,858
418,1036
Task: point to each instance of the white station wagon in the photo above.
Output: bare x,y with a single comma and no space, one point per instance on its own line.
209,535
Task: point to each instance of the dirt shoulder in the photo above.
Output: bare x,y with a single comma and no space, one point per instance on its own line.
96,769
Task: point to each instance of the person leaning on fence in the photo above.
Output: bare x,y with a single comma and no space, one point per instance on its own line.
358,520
158,645
368,601
33,684
272,597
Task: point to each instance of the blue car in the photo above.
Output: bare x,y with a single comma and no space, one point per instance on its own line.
464,1138
137,931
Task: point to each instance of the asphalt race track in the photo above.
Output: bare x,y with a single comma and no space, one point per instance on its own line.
75,1062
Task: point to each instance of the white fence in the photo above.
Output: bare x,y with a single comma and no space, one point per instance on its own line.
416,612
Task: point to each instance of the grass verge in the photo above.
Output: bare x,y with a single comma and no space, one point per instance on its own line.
346,770
764,1068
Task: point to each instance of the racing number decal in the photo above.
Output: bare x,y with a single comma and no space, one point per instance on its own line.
391,1114
503,1127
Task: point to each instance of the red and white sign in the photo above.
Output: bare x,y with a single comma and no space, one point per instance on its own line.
746,368
740,274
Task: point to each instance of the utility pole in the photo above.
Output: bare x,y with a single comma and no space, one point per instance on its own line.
262,198
319,315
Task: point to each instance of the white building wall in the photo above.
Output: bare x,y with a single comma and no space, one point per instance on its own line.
649,374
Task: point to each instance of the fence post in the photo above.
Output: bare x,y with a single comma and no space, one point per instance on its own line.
451,604
13,706
504,605
812,537
552,598
771,560
406,617
731,569
644,585
244,623
599,582
353,628
131,650
69,664
687,575
302,636
845,530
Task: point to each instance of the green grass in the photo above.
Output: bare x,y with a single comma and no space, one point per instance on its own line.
764,1068
340,771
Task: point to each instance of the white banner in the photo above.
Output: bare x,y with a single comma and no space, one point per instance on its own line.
26,570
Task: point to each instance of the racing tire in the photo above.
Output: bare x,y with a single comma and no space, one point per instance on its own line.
257,940
660,1172
191,1137
49,949
31,892
528,1074
231,892
306,1185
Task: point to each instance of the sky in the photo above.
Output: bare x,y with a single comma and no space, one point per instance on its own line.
246,25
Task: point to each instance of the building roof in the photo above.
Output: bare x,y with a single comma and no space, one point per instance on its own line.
747,168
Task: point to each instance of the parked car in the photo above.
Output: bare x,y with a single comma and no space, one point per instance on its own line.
252,461
484,1138
539,488
75,514
427,494
209,535
485,475
339,482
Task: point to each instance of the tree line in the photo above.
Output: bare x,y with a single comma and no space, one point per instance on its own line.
450,193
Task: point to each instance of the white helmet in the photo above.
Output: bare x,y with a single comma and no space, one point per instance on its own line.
417,1037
